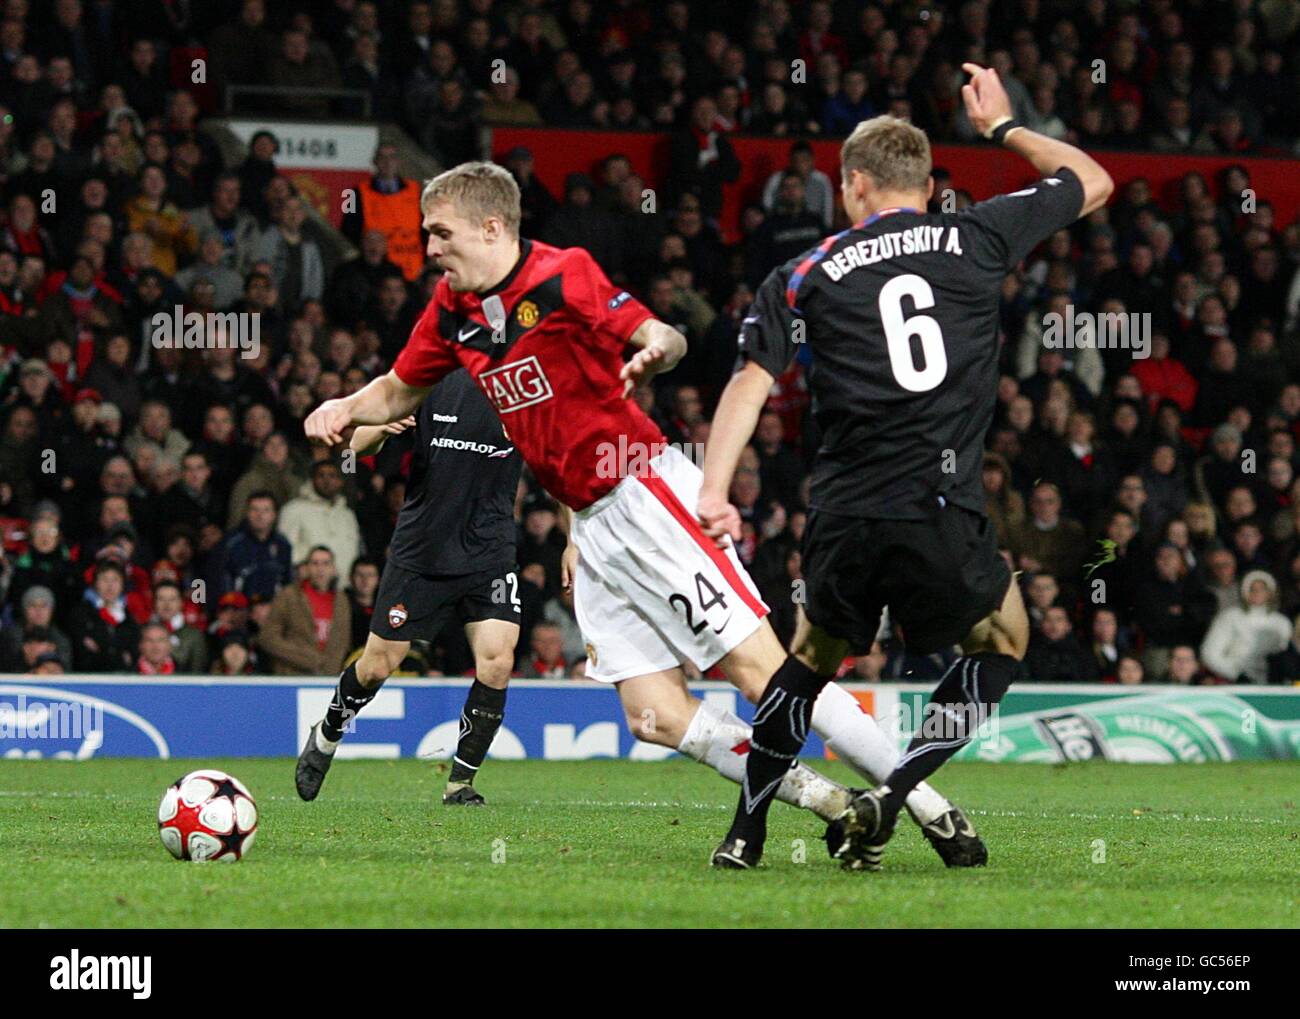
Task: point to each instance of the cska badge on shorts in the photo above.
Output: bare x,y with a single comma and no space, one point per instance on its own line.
397,615
591,654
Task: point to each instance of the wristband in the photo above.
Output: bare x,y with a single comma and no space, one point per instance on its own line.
1004,128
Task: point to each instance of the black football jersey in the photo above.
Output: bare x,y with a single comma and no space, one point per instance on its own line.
458,517
900,317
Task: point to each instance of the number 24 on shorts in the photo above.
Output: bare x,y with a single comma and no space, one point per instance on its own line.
707,596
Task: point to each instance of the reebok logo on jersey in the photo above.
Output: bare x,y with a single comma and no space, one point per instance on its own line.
515,386
446,442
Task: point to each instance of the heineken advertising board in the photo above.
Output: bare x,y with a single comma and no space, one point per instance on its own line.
1158,725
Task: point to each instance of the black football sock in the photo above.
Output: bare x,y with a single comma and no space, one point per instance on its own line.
966,696
479,721
780,730
349,698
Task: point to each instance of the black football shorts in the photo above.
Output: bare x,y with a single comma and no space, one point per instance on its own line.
413,606
938,577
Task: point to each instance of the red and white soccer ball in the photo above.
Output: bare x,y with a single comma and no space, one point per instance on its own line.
207,815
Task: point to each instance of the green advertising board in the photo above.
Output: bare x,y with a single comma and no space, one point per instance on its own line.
1157,725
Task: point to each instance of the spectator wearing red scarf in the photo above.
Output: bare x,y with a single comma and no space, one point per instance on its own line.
23,234
104,636
12,299
155,651
308,628
547,659
702,159
79,311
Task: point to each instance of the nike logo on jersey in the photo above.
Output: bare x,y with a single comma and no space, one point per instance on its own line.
506,326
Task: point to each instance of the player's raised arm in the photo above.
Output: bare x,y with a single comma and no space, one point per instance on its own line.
661,347
369,439
766,348
989,110
384,399
733,424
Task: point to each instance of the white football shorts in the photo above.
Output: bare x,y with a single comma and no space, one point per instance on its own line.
652,590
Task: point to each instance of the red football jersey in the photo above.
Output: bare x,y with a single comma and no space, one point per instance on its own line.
550,368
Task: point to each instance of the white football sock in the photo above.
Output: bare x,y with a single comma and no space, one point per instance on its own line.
855,736
325,746
721,740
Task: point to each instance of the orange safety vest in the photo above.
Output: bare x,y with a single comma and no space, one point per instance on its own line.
397,217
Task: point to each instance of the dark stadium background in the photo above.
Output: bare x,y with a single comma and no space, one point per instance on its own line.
603,116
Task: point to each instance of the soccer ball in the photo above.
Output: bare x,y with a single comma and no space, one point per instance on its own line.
207,815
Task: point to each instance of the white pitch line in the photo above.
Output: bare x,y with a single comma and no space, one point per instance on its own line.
678,805
1071,815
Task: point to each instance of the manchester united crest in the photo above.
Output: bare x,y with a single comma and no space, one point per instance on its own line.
591,654
397,615
526,314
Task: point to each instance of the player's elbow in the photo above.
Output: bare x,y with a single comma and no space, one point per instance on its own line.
1097,189
754,381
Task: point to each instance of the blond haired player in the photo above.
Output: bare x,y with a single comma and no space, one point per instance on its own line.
544,334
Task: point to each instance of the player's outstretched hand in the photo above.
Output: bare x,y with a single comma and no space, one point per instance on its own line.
719,519
568,566
985,97
327,422
398,427
647,362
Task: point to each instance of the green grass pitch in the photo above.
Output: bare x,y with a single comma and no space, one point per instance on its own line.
623,844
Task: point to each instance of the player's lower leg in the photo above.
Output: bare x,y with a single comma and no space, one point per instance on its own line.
781,723
858,740
661,710
493,643
968,693
723,742
357,686
480,719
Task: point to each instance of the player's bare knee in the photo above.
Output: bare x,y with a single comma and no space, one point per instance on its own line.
655,724
998,633
818,650
1017,633
750,664
751,684
372,669
380,660
493,668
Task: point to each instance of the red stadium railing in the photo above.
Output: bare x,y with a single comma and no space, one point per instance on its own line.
982,170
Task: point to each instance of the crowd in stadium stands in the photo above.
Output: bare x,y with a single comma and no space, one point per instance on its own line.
161,511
